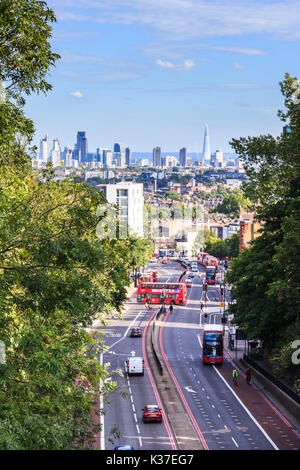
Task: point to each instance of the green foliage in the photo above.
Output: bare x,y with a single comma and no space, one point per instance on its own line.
231,204
266,277
221,248
56,278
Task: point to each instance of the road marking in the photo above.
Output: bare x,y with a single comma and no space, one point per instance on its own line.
234,442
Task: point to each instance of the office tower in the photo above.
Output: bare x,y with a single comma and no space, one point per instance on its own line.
81,147
127,156
44,148
107,158
206,146
119,155
157,157
217,159
69,157
55,153
129,199
183,157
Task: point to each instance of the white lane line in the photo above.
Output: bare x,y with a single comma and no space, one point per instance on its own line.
234,442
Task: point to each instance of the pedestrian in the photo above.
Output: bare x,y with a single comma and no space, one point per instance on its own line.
147,305
248,376
201,307
234,376
171,308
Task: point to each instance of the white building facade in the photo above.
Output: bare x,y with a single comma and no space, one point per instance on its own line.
129,199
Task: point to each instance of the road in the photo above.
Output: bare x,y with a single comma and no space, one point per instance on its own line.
224,420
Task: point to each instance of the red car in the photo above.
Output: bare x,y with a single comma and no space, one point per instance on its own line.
152,413
164,261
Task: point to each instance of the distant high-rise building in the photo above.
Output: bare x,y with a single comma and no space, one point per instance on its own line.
44,148
217,159
81,147
119,154
127,156
206,146
107,158
55,153
157,157
183,157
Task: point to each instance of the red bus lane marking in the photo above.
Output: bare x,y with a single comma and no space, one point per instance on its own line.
198,431
168,429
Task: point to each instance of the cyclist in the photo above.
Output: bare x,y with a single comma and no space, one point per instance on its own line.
201,307
248,376
234,376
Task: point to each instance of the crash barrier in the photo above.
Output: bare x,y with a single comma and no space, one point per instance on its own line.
182,276
160,366
285,388
284,394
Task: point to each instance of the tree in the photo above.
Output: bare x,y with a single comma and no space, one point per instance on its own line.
266,276
231,204
25,60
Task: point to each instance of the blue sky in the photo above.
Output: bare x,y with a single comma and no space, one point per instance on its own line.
155,72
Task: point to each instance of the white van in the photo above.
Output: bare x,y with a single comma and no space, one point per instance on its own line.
135,366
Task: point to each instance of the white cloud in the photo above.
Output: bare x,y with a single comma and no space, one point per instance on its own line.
238,66
187,64
77,94
190,19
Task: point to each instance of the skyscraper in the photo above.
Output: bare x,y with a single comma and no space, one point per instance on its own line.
157,157
127,156
183,157
81,147
44,148
206,146
55,153
119,154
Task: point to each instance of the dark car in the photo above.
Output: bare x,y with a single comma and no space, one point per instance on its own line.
124,447
152,413
136,331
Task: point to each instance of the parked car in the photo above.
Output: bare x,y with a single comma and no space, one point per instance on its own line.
152,413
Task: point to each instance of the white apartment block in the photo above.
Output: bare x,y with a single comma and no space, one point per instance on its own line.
129,198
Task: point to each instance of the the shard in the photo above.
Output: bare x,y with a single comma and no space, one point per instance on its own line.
206,146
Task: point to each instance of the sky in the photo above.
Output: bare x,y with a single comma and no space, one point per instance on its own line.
154,72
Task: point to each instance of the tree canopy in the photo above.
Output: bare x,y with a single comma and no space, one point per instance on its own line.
266,277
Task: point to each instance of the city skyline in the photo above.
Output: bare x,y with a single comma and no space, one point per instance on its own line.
127,75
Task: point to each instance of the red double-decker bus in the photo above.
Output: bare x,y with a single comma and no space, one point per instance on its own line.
210,274
213,340
172,293
148,277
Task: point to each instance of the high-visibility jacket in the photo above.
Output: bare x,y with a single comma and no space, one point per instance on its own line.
234,373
